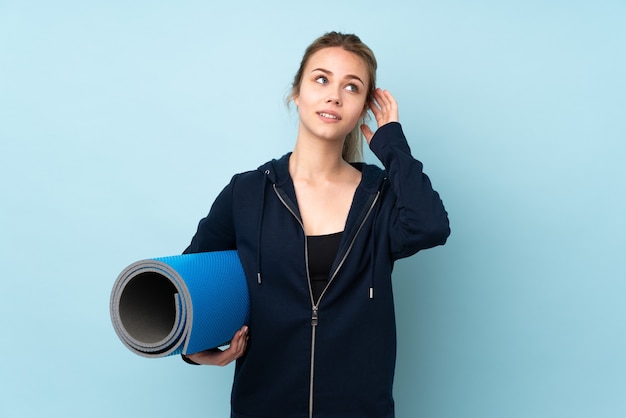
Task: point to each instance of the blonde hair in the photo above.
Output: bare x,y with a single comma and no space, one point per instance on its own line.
353,144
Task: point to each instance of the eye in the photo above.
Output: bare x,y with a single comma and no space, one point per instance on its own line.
353,88
321,79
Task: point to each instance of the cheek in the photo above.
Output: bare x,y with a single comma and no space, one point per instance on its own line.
306,98
360,109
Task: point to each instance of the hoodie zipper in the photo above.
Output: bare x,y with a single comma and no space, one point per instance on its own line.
315,306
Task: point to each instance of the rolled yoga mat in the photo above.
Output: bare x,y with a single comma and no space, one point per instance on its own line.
180,304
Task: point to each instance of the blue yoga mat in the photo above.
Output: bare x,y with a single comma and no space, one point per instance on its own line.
180,304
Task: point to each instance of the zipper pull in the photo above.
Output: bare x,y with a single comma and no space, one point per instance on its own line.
314,317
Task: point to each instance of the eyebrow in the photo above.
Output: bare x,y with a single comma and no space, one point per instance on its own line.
349,76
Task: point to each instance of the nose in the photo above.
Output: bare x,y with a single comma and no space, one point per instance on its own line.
334,99
334,94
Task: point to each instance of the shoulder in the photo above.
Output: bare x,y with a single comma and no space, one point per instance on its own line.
243,184
372,176
251,178
245,177
275,171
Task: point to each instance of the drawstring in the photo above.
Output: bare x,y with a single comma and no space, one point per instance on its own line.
261,212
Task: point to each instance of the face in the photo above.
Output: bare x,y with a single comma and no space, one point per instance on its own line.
332,93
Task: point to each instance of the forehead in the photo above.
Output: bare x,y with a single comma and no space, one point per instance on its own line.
338,61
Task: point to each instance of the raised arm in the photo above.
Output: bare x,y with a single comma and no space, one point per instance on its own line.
418,219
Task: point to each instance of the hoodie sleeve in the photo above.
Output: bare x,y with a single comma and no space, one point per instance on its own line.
216,231
418,218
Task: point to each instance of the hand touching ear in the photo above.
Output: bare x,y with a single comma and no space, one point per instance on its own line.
385,110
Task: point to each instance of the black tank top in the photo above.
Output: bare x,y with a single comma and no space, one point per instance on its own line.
322,252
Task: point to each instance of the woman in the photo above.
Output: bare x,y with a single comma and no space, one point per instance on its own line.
317,234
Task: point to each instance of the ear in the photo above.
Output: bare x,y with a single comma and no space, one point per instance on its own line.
366,107
296,100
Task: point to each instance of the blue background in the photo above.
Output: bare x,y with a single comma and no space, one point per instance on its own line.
121,121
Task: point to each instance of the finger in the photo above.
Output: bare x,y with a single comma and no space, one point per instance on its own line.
374,107
243,339
235,342
367,132
385,100
391,101
239,342
381,99
384,107
389,106
244,345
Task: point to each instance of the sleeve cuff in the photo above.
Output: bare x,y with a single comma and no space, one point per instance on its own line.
188,360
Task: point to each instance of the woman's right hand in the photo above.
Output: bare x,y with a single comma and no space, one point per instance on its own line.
385,109
217,357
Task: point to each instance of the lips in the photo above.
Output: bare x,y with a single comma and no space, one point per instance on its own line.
329,115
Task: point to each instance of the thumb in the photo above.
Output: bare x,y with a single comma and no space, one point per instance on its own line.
367,132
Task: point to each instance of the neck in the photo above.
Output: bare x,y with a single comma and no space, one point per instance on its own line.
317,160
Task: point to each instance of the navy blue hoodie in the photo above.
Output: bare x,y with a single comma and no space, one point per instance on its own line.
336,358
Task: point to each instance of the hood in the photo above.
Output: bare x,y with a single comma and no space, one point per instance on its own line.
372,178
277,172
